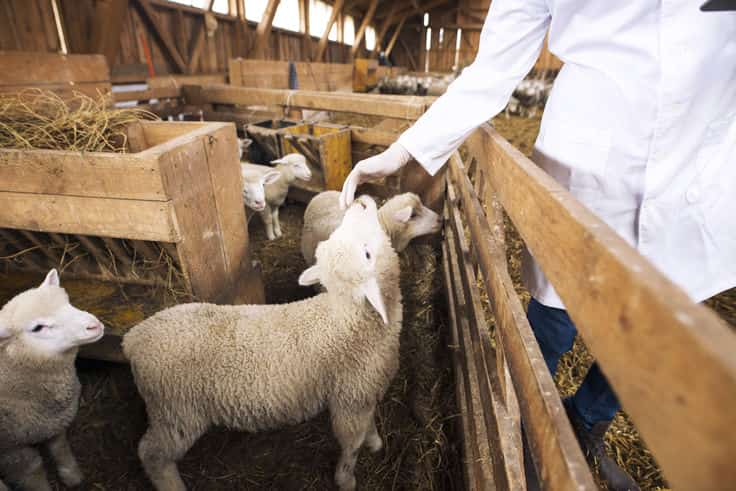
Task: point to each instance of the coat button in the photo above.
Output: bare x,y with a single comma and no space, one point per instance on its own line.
692,195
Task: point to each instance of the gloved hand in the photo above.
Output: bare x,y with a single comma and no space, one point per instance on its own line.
373,168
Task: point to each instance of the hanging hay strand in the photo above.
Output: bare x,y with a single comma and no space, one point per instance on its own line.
41,119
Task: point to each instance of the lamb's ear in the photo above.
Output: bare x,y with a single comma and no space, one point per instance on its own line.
271,177
280,161
4,334
373,295
52,278
309,276
246,142
404,214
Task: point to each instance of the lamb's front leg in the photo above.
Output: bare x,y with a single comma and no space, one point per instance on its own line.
267,217
276,222
373,439
350,428
66,465
23,469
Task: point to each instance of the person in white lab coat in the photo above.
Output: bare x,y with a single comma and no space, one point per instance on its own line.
640,127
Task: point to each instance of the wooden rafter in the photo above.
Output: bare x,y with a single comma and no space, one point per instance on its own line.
304,26
149,15
409,55
384,29
412,11
199,43
336,9
264,29
397,31
367,19
109,19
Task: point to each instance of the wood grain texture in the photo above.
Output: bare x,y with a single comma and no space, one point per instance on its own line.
670,360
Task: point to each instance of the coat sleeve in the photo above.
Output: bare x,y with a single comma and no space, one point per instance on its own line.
510,43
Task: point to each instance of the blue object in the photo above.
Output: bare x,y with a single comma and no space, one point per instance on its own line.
293,79
594,400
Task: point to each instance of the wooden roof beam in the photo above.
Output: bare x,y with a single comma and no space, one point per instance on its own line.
336,9
384,29
367,19
199,43
109,20
263,31
149,15
397,31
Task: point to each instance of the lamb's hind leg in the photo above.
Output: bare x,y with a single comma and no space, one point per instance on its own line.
66,465
350,427
276,222
23,469
267,217
159,450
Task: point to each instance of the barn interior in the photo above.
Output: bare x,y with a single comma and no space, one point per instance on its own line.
120,128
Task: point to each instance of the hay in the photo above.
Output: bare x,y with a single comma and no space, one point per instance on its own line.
41,119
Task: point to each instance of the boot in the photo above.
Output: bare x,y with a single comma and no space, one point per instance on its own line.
591,442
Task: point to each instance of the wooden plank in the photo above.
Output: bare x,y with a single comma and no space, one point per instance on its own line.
177,81
260,73
679,396
504,434
264,29
22,68
395,36
65,90
148,14
304,28
107,27
555,450
104,217
88,174
324,76
199,42
372,136
367,19
187,181
336,158
400,107
334,14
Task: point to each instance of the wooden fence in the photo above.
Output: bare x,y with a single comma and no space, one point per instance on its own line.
670,360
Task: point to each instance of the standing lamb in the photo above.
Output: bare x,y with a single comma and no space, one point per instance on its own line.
254,186
40,333
259,367
403,218
292,167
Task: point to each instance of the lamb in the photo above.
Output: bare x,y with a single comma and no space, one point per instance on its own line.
292,167
40,332
403,218
260,367
254,187
243,145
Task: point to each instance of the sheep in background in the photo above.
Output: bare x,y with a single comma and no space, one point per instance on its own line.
260,367
290,167
254,186
40,332
243,145
403,218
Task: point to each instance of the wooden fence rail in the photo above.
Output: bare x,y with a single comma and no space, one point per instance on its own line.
670,360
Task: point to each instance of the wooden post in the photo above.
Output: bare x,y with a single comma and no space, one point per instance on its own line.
169,46
336,9
304,27
391,43
264,30
109,19
384,29
363,25
199,43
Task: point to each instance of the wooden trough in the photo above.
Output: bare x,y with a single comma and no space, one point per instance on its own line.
178,193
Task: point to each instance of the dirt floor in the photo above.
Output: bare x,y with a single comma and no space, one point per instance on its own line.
623,442
416,418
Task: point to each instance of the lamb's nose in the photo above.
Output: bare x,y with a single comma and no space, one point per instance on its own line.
94,326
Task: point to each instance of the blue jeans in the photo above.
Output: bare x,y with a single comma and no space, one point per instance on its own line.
594,400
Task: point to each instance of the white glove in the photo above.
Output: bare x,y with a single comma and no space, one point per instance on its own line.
373,168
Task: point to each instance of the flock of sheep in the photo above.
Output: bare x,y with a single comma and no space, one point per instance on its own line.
245,367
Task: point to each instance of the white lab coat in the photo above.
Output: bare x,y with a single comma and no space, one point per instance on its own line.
640,125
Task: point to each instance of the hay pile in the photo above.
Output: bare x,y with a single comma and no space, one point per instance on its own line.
41,119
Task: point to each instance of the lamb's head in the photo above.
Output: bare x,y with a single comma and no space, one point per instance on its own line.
347,262
298,165
404,217
243,144
254,194
43,324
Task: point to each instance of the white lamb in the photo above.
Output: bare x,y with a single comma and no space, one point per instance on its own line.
403,218
254,186
291,167
40,332
259,367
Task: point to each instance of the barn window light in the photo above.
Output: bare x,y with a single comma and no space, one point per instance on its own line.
287,15
255,9
220,6
457,48
429,39
319,16
442,34
426,19
370,38
348,30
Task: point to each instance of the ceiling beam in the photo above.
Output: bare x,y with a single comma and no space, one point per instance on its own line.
367,19
397,31
149,15
263,31
336,8
304,27
199,43
384,29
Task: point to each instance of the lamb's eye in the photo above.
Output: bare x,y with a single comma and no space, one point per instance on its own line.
38,328
368,255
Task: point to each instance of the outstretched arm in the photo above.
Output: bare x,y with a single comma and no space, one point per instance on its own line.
510,42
